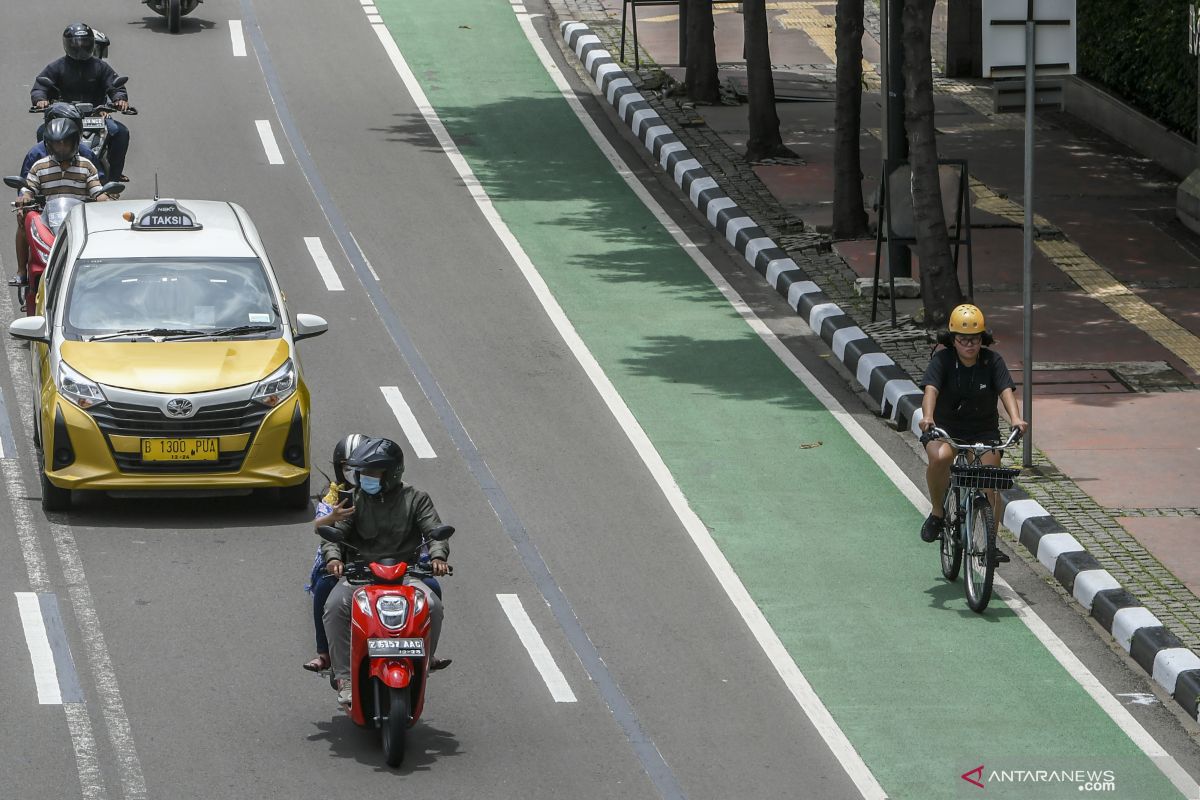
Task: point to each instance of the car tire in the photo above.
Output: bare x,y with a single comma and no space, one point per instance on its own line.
54,498
297,496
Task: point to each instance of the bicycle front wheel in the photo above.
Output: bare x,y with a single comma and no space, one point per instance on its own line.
980,544
951,545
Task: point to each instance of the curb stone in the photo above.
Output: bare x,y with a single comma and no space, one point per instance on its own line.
1148,642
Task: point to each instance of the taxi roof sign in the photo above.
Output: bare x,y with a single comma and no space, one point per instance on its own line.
166,215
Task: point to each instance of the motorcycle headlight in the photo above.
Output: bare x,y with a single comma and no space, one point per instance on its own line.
392,608
364,605
276,387
78,389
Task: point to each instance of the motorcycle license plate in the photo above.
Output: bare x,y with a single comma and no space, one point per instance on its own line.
180,450
93,123
391,648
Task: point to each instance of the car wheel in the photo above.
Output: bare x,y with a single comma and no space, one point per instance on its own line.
295,496
54,498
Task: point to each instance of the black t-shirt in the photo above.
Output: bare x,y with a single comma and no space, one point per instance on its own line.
967,396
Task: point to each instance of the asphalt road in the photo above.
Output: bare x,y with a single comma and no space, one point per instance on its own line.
186,620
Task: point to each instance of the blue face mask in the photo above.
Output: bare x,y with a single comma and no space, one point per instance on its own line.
369,484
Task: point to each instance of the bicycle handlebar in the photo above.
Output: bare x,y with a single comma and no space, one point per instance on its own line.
979,447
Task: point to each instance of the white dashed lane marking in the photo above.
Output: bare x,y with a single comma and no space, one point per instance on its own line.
556,682
408,422
268,141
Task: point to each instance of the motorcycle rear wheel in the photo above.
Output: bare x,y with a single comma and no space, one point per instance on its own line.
395,728
174,12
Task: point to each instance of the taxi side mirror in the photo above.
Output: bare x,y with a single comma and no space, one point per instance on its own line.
31,329
308,326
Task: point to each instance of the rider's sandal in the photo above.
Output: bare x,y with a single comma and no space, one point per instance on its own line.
18,280
439,663
318,664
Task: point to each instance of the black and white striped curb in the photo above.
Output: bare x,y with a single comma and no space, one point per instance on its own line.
1158,651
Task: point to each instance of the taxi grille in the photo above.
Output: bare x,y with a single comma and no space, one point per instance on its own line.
225,419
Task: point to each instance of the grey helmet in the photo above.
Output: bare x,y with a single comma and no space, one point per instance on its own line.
341,452
62,139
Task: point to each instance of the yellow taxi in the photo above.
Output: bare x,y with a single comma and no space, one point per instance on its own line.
163,357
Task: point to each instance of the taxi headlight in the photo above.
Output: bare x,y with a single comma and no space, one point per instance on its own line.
392,608
78,389
276,387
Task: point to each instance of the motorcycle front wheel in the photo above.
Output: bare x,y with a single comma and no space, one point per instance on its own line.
395,727
174,12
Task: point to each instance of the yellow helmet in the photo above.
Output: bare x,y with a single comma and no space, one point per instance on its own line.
966,319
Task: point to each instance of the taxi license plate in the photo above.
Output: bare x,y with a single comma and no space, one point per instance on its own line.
93,123
180,450
391,648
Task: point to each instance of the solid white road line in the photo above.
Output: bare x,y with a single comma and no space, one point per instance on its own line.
268,141
898,477
324,266
79,723
45,676
408,422
556,682
237,37
374,274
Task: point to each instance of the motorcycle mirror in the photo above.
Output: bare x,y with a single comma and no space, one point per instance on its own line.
331,534
14,182
112,187
121,81
46,83
441,533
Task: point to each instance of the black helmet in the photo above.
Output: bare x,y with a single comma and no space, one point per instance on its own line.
342,451
381,454
62,111
62,139
79,41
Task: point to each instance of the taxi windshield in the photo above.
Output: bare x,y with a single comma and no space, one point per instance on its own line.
183,299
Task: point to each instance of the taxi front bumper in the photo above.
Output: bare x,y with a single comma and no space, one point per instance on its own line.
100,448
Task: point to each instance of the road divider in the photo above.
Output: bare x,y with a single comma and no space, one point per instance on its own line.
238,38
268,141
324,266
408,422
556,682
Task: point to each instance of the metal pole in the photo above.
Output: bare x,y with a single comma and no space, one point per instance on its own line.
1027,328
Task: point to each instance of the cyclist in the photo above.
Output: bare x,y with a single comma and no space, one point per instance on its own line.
962,384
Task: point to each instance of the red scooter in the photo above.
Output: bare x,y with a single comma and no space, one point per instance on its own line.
42,220
389,644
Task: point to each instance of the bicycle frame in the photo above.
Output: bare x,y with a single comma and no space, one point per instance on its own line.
972,482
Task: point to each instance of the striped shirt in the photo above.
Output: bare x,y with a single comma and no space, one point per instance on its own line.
47,177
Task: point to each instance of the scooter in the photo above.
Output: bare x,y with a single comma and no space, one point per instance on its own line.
95,131
173,10
43,219
389,644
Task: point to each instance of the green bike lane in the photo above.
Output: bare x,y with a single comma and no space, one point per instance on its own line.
924,689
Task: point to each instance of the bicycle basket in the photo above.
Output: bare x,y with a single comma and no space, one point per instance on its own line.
982,477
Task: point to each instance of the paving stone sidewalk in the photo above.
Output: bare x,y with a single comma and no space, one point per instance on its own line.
1096,528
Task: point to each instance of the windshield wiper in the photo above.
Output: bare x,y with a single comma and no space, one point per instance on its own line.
144,332
240,330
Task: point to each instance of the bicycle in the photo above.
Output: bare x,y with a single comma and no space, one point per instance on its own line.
970,522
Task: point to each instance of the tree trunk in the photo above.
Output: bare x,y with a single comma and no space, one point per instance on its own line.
940,291
765,140
700,79
849,216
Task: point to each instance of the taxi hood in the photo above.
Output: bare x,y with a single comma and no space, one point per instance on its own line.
176,367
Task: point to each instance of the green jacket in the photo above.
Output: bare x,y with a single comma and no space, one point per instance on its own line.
389,524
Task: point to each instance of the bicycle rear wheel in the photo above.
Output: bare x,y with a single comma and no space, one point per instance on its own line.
980,544
951,544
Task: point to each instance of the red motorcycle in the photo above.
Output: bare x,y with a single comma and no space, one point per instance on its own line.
389,644
42,220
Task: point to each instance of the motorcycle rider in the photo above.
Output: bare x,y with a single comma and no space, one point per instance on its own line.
62,171
36,153
388,519
79,75
320,582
